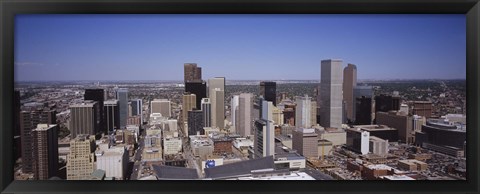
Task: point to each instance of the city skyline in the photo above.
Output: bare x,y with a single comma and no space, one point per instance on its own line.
92,47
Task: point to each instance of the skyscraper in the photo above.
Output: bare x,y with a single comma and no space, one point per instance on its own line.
216,82
45,155
233,108
188,103
207,112
349,82
303,112
218,108
84,118
137,105
331,93
192,72
269,91
162,106
122,97
97,94
199,88
313,115
195,122
363,107
243,125
28,122
385,103
264,142
112,115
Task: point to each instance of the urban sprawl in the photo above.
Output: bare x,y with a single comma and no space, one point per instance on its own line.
339,128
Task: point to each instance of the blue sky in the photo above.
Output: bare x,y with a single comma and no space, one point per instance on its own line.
260,47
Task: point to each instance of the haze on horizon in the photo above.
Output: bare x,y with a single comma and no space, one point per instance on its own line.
238,47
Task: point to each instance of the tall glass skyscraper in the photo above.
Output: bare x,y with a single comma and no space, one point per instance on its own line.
122,97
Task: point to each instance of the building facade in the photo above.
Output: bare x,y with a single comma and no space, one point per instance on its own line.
45,155
349,82
331,95
122,97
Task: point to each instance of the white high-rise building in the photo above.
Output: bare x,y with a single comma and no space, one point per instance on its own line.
303,111
233,107
331,93
264,142
245,106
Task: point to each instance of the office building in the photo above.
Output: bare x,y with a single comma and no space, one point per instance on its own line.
188,103
358,140
28,122
349,82
363,105
137,109
331,93
245,107
122,97
162,106
305,141
199,88
81,159
114,161
233,108
192,72
172,145
313,113
98,95
385,103
399,121
303,112
112,115
202,146
45,153
378,146
422,108
195,122
218,108
442,133
269,91
264,144
278,117
380,131
207,112
84,119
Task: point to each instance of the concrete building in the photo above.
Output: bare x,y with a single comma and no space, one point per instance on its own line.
422,108
303,112
112,115
162,106
245,107
358,140
269,91
29,121
349,82
45,154
277,115
172,145
336,136
313,113
218,108
84,118
81,159
207,112
113,161
188,104
412,165
442,133
202,146
195,122
192,72
378,146
305,141
399,121
331,95
122,97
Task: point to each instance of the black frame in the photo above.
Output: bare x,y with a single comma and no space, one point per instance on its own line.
8,9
